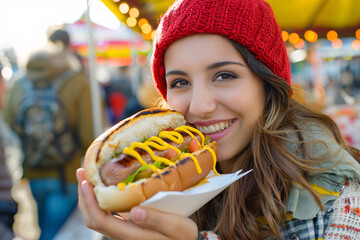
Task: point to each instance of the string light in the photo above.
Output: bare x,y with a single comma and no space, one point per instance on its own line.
285,35
294,38
131,21
357,33
134,12
311,36
147,32
124,8
332,35
142,21
146,28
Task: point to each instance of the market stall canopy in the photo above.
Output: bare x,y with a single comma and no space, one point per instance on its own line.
321,16
298,16
112,46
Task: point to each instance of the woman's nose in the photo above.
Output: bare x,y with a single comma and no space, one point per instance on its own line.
202,102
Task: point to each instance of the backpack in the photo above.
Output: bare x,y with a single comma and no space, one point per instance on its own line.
48,141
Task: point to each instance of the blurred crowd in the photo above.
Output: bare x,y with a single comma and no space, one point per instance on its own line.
46,125
326,83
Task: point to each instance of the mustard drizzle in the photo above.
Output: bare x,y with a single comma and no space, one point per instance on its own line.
160,144
173,136
188,129
212,152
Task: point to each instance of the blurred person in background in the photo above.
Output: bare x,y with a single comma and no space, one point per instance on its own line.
118,93
8,206
121,101
54,189
61,38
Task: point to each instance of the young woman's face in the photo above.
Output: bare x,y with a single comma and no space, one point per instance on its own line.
209,82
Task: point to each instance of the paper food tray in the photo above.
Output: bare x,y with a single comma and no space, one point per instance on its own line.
189,201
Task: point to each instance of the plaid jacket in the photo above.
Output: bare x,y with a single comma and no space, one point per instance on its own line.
339,220
294,229
310,229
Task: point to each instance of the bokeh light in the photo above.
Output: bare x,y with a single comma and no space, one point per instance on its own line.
294,38
300,43
134,12
124,8
285,35
311,36
336,44
357,33
332,35
356,44
142,21
131,21
146,28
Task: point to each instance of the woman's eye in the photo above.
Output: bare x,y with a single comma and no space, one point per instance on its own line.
179,83
223,76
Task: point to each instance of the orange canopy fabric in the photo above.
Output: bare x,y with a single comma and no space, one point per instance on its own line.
297,16
321,16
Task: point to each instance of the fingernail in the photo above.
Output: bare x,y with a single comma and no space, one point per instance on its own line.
138,214
78,174
83,186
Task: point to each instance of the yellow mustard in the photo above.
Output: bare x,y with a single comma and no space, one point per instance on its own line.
159,144
173,136
211,151
188,129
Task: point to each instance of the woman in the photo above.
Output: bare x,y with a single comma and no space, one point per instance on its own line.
223,64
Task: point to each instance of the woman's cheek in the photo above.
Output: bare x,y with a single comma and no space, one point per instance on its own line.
177,102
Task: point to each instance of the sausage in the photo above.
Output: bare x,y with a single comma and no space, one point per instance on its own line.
117,169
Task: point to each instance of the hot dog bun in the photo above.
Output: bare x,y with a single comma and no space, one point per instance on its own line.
178,177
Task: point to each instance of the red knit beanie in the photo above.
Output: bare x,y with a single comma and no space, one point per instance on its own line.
248,22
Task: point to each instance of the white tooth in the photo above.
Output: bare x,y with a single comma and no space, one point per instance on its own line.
206,130
212,128
217,127
202,129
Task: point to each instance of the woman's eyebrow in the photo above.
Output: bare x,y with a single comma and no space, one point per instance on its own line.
212,66
220,64
175,72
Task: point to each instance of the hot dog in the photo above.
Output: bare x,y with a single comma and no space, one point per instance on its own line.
149,152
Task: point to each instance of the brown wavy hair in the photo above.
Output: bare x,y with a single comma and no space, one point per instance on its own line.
234,213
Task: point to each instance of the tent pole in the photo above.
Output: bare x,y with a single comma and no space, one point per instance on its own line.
94,85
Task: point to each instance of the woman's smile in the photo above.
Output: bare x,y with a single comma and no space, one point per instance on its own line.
216,130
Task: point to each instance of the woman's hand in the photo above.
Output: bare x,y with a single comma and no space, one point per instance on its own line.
139,223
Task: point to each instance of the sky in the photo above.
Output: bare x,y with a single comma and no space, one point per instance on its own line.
23,23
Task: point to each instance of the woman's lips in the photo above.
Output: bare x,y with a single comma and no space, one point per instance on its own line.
217,130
